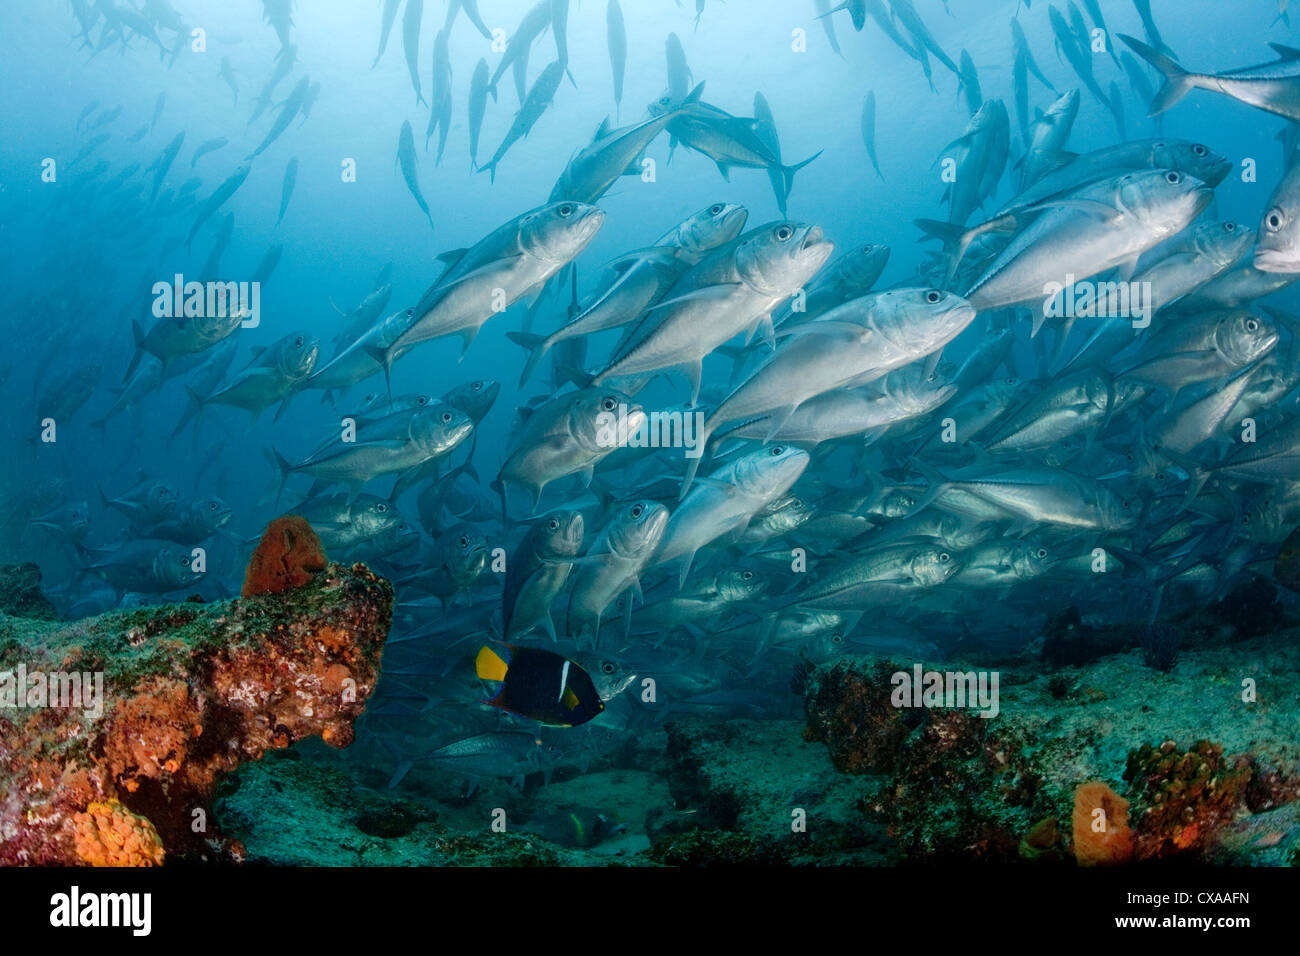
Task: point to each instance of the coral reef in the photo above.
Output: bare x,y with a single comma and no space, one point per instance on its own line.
1198,752
848,709
288,556
20,592
1183,796
156,704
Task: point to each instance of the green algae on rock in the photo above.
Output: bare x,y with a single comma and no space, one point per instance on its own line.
21,595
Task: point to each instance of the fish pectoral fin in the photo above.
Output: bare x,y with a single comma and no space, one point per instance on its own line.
706,294
1091,207
1128,268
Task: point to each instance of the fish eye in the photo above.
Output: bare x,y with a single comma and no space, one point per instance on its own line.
1173,178
1274,220
746,575
477,386
664,101
298,341
446,418
185,561
463,541
381,507
944,557
715,209
422,400
608,404
933,296
637,511
607,667
212,506
553,524
1229,227
1252,325
1245,519
410,312
565,210
837,638
778,451
1042,552
783,233
1199,150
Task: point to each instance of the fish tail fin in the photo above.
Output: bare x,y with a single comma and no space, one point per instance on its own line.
948,233
579,377
400,773
283,469
788,172
489,665
384,358
192,409
138,334
1178,82
693,461
499,487
937,484
537,346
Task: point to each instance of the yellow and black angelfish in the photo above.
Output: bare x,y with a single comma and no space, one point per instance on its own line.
541,685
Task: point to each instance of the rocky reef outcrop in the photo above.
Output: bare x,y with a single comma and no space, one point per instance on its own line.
1109,762
116,729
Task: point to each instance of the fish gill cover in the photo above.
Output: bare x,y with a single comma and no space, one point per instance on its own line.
872,427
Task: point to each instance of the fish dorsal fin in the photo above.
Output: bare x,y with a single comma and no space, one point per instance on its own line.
451,257
1286,52
602,130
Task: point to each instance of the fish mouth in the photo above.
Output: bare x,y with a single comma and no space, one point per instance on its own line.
636,417
1202,196
813,237
1219,172
1275,260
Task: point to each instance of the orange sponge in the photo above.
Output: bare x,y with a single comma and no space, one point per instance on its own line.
1101,833
287,557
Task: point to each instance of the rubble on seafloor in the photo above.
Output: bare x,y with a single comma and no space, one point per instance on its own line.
153,706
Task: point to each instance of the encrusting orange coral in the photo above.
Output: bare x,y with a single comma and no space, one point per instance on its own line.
108,834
